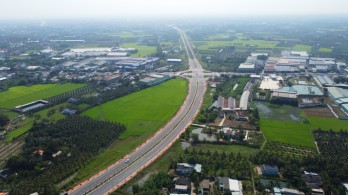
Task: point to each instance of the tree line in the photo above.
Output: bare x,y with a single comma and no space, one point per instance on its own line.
66,145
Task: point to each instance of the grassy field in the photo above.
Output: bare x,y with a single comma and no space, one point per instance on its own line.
146,110
167,43
143,50
143,112
284,123
328,123
22,94
323,49
125,34
287,132
18,132
25,125
218,36
214,45
299,47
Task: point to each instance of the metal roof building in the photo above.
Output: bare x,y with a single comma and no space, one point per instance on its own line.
338,95
244,100
324,80
246,67
301,90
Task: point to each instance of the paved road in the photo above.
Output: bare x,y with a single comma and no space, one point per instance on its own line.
120,172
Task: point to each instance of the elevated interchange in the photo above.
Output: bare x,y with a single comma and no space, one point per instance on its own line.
117,174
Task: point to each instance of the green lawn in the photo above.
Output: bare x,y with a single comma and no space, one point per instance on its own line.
143,112
296,133
328,123
143,50
323,49
299,47
22,94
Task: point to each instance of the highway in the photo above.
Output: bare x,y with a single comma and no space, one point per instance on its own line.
120,172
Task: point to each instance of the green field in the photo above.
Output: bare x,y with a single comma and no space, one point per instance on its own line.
22,94
296,133
323,49
143,50
146,110
215,45
328,123
143,112
218,36
284,123
299,47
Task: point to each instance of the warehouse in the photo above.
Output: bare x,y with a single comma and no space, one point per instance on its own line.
31,106
174,61
246,67
323,80
154,79
338,95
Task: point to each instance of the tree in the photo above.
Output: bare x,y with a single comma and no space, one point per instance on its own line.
4,120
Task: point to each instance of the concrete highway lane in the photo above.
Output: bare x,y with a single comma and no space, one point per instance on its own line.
120,172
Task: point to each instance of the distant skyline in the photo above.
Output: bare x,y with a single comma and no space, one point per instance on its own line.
79,9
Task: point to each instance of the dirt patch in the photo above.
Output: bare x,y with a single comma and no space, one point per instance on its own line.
323,112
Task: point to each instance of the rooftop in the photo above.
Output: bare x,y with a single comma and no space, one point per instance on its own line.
244,100
246,66
197,167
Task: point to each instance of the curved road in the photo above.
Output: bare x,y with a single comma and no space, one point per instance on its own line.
120,172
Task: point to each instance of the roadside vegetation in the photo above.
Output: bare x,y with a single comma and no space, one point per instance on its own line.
143,113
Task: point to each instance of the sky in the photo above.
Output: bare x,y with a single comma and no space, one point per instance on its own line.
77,9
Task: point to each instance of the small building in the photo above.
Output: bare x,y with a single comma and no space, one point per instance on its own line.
185,168
56,154
174,61
228,185
205,187
305,102
286,191
39,152
182,186
68,112
73,101
313,180
3,79
270,170
228,133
